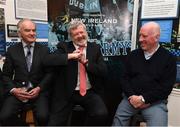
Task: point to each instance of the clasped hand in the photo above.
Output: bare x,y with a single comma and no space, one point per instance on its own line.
23,94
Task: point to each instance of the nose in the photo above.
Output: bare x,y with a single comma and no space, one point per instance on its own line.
79,34
141,39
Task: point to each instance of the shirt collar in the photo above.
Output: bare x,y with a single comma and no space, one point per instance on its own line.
25,44
76,46
149,55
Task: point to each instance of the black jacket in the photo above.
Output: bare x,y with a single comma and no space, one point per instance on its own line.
15,68
66,71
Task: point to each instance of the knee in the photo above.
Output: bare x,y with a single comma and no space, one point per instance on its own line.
4,116
97,118
103,113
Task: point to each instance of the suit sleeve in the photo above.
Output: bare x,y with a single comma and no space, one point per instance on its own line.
57,58
96,64
8,72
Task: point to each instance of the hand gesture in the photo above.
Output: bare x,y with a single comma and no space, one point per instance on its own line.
75,55
82,59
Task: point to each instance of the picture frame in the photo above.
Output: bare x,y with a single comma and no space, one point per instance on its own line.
12,30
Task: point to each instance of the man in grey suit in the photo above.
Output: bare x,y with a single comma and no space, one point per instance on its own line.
26,78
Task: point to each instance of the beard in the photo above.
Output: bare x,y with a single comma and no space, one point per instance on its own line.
82,42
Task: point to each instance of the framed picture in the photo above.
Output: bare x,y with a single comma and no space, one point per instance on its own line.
12,30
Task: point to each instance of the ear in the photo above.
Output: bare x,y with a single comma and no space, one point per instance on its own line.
157,37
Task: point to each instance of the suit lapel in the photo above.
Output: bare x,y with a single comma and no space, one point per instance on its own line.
88,51
70,47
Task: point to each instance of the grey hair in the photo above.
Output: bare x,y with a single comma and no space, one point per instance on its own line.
21,22
74,24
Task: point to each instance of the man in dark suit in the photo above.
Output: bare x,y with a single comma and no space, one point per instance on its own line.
26,79
68,90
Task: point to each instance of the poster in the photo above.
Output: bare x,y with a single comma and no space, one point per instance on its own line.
159,9
33,9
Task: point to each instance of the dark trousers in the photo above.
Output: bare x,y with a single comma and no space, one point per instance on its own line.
12,105
96,111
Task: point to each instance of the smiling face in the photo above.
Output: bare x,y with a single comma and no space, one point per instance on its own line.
79,35
27,31
149,37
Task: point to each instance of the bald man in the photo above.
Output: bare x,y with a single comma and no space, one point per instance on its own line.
148,78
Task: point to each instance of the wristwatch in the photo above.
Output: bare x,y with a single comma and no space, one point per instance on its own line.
142,99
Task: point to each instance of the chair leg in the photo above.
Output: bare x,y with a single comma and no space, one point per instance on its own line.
30,118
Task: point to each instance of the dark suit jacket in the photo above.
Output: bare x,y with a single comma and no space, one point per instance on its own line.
66,78
15,68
